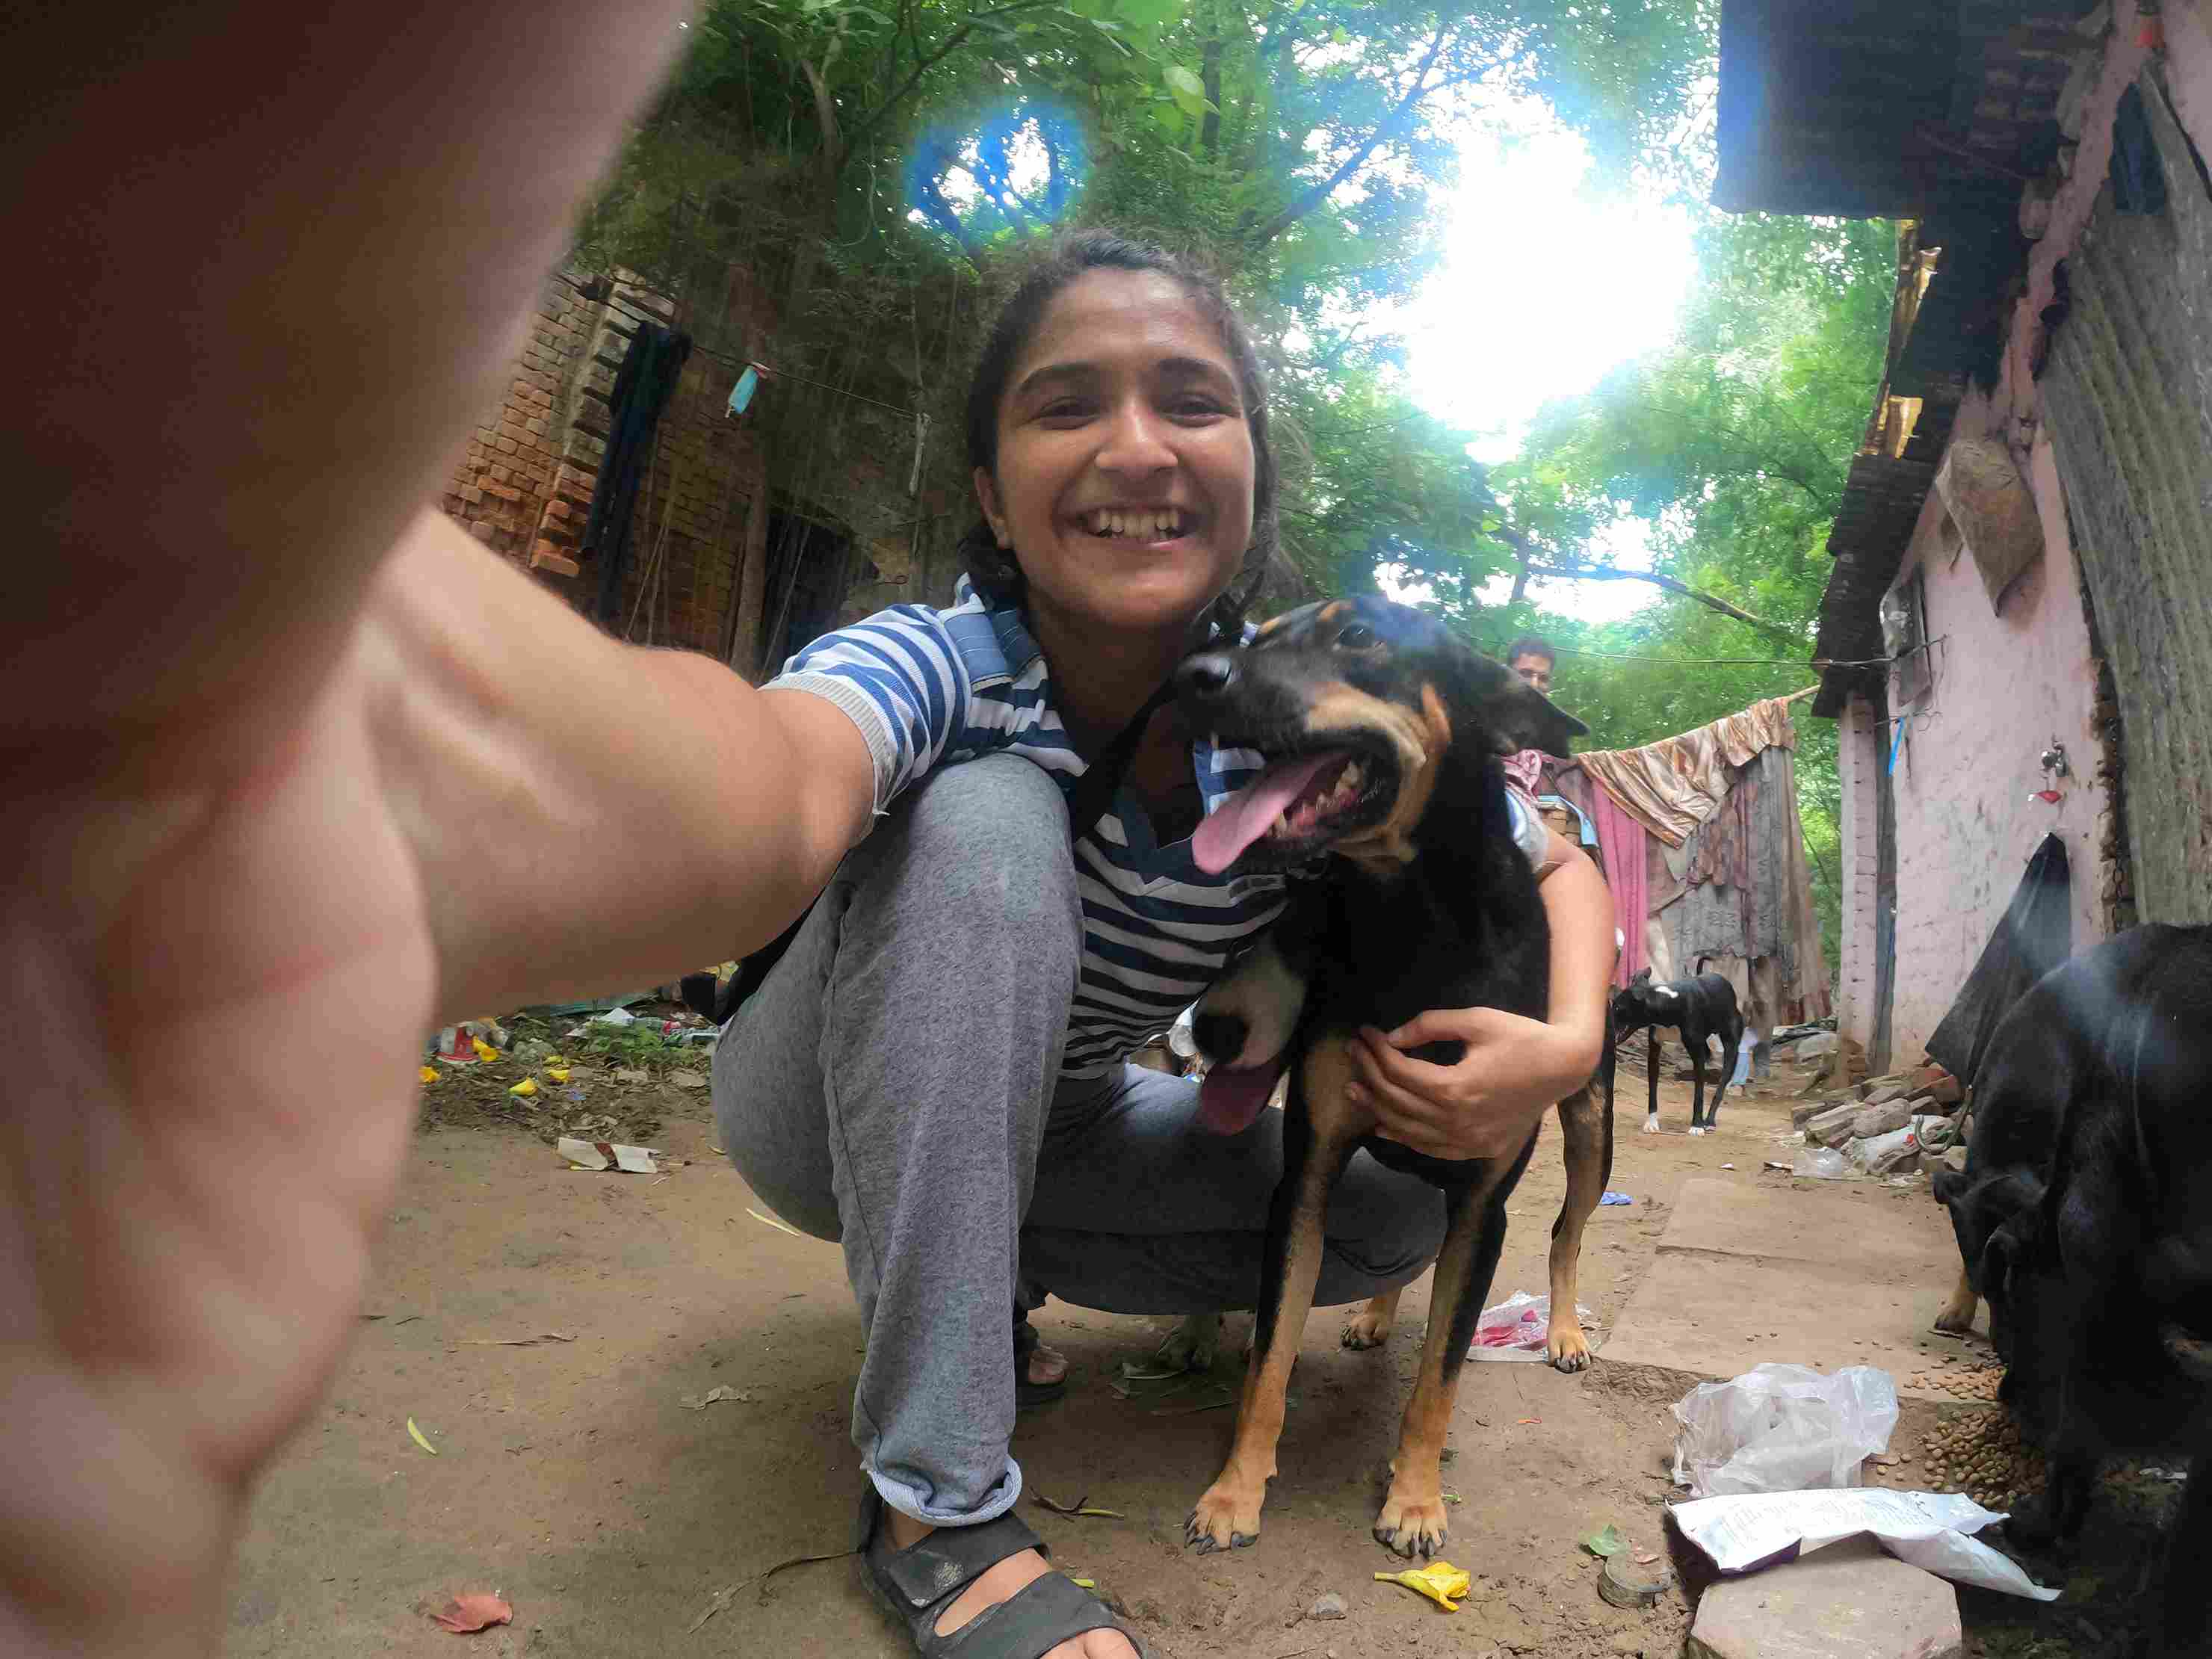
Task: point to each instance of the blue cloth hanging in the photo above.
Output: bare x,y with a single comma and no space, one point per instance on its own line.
742,393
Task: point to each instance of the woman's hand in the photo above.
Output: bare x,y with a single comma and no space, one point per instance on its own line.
1484,1103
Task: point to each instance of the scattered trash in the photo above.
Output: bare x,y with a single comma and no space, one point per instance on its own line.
615,1016
419,1438
515,1341
1453,1498
429,1074
1783,1428
781,1227
1136,1372
527,1088
705,1039
687,1079
1621,1586
1523,1422
699,1402
1929,1530
558,1073
1330,1605
1728,1166
1605,1541
600,1155
1616,1198
1776,1163
1517,1327
1820,1163
465,1613
1441,1582
1885,1154
484,1051
1645,1557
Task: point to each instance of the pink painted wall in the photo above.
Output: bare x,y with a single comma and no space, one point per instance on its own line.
1858,767
2007,682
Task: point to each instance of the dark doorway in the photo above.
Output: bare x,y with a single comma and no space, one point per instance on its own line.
807,572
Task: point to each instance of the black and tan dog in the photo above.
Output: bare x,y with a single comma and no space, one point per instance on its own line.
1382,734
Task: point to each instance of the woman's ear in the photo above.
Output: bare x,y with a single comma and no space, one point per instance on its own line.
986,497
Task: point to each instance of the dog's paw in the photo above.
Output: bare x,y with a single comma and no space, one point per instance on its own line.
1367,1329
1566,1344
1412,1520
1950,1323
1697,1128
1226,1518
1650,1126
1192,1345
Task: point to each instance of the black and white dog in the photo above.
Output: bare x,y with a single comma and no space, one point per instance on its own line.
1700,1008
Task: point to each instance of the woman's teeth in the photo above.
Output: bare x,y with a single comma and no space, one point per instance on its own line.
1144,526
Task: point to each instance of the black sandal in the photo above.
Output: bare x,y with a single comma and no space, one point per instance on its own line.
1027,1342
917,1583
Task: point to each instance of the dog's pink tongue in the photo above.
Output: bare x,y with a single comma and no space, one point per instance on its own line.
1230,1097
1251,811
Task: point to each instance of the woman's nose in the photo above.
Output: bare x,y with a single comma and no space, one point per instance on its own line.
1136,440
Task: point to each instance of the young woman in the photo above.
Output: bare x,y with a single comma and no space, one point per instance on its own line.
934,1075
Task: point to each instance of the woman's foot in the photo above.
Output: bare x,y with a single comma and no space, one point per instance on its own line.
1000,1582
1047,1366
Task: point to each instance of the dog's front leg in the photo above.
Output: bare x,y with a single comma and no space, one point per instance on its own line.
1589,1165
1959,1318
1651,1079
1227,1516
1695,1042
1412,1519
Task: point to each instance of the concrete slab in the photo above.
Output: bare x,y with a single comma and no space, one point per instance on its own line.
1812,1276
1847,1601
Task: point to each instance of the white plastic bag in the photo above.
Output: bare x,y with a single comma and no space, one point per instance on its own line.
1819,1162
1518,1328
1783,1428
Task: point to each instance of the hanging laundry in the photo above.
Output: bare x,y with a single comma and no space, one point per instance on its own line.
643,388
741,394
1621,840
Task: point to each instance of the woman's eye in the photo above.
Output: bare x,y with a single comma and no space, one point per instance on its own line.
1196,408
1357,636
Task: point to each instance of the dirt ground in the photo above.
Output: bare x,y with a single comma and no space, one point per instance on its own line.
542,1328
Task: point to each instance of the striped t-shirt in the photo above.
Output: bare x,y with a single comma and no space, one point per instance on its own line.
932,688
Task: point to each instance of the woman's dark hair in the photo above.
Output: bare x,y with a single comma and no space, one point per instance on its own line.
1531,644
1064,259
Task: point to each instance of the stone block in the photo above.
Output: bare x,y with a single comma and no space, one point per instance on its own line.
1833,1128
1849,1601
546,557
1879,1118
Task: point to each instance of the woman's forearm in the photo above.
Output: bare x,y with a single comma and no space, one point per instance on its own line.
1578,907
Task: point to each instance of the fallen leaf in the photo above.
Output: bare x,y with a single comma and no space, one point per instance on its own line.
429,1074
419,1439
1075,1508
1453,1498
630,1074
1605,1542
1084,1584
770,1221
699,1402
558,1073
1441,1582
527,1088
687,1079
1185,1411
1645,1557
465,1614
1520,1422
1110,1515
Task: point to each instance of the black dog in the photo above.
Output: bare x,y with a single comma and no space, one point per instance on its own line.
1382,734
1699,1008
2099,1284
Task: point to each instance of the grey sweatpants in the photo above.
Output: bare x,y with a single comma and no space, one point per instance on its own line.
894,1086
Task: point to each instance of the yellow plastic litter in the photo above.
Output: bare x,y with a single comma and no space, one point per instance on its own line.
558,1073
527,1088
419,1438
428,1074
1441,1582
484,1051
1086,1584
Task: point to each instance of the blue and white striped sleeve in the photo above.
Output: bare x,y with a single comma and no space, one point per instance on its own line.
1530,833
899,678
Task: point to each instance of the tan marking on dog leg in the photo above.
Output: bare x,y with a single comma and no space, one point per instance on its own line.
1579,1125
1228,1515
1370,1327
1413,1520
1958,1319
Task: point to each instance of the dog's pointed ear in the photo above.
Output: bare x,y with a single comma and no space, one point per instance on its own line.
1516,714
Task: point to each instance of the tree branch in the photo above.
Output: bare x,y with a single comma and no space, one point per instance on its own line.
927,61
1607,573
1389,127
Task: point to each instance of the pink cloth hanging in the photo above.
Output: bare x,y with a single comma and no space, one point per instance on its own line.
1621,839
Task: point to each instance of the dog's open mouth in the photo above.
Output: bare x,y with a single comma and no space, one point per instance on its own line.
1295,808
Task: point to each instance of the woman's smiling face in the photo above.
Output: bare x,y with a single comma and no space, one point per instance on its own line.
1124,477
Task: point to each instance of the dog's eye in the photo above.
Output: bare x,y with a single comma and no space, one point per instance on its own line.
1355,636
